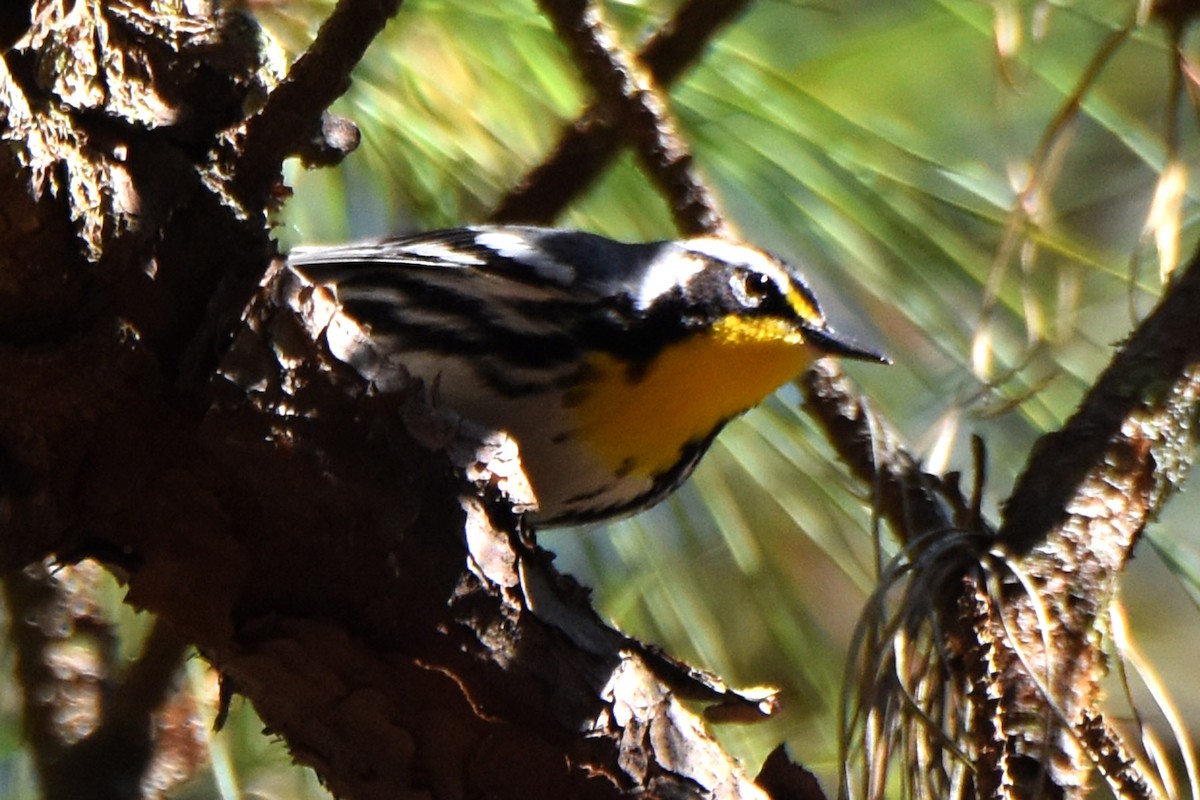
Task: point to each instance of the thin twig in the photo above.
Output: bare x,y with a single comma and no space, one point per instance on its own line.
36,602
294,110
77,756
909,499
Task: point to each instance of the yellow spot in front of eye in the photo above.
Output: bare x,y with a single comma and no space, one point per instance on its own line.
641,421
804,308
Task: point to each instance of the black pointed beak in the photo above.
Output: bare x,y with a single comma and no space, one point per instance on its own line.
835,344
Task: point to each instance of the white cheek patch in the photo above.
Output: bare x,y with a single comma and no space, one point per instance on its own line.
518,248
669,270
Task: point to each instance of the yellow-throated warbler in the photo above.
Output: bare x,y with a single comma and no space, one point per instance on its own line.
612,365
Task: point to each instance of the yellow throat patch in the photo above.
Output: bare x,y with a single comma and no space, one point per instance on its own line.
639,424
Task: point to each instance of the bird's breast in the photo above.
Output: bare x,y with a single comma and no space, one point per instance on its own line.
639,420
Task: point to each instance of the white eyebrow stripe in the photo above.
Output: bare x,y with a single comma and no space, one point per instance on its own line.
727,251
670,268
518,248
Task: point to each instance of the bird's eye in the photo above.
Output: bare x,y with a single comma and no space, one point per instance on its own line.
752,289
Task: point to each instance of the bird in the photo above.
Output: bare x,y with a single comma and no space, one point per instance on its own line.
612,365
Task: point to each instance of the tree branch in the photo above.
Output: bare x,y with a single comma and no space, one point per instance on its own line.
1071,524
291,118
628,93
911,500
90,725
587,147
1025,626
